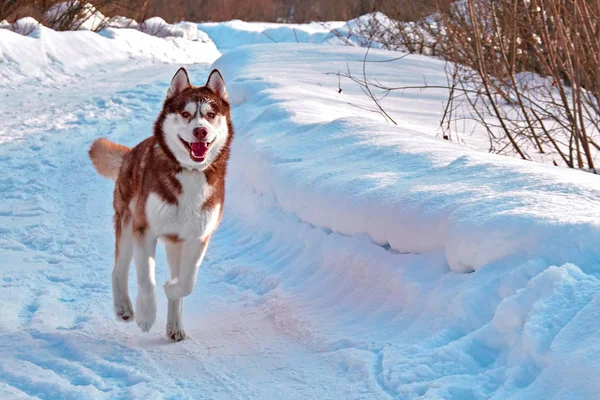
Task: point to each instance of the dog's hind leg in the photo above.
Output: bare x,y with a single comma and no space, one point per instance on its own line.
174,325
144,249
120,274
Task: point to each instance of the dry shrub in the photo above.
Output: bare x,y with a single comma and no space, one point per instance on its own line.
535,65
249,10
73,13
297,11
527,71
397,25
10,7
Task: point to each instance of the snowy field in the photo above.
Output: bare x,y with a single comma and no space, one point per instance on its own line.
356,259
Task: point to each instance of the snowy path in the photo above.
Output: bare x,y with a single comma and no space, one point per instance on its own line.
57,330
285,307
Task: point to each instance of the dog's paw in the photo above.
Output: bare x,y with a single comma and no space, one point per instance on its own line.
173,289
145,311
175,331
124,310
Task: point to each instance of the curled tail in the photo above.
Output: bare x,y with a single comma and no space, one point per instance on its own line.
107,157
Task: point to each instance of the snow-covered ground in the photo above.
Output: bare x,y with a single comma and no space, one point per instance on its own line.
53,57
232,34
339,271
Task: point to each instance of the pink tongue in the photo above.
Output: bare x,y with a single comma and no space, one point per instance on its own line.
199,149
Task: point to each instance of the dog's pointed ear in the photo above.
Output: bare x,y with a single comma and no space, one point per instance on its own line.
179,83
216,83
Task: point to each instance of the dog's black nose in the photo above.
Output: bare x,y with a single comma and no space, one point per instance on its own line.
200,133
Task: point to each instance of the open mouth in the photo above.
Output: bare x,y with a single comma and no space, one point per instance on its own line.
197,150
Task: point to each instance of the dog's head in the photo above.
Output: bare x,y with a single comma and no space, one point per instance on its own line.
194,124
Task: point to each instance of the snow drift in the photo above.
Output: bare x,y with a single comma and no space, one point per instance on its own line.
384,213
337,168
45,52
158,27
233,34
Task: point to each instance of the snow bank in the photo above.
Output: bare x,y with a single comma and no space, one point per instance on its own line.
232,34
361,31
340,168
22,26
366,30
158,27
46,52
367,220
122,22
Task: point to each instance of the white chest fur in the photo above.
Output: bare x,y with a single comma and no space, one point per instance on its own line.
186,219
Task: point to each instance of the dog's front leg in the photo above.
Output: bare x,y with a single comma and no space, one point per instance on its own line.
192,253
145,305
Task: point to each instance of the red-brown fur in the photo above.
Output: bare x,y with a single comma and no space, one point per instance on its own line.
107,157
151,168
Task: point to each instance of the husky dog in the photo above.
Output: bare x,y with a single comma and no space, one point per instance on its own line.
171,186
